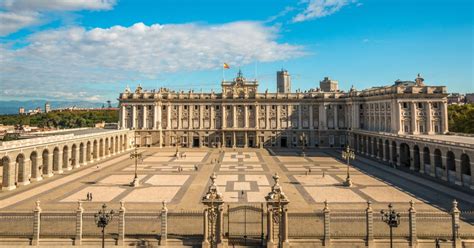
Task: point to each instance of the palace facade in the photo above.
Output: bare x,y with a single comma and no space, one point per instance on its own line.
241,116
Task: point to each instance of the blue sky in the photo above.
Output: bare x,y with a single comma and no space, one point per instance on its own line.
92,49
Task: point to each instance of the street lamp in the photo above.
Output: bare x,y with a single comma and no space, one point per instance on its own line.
135,155
392,218
348,154
102,219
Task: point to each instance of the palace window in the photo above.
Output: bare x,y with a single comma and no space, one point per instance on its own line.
420,105
217,107
405,105
185,107
149,107
196,107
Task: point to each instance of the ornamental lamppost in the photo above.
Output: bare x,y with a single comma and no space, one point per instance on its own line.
348,154
392,218
102,219
137,156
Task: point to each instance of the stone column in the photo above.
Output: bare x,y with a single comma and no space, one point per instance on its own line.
36,172
257,124
49,165
444,117
327,230
123,113
336,119
26,172
79,212
121,224
311,121
246,116
267,117
60,162
278,122
455,214
201,118
398,155
155,116
144,112
370,225
245,139
412,222
414,128
160,125
75,157
234,117
164,225
270,227
205,242
36,225
168,117
180,118
300,115
70,158
134,117
429,117
212,114
233,139
286,242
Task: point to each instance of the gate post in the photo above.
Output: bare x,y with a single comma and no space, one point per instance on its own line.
121,224
370,225
164,225
413,234
327,230
277,214
79,212
213,216
455,224
36,224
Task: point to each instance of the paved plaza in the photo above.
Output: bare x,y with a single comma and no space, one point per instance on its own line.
243,176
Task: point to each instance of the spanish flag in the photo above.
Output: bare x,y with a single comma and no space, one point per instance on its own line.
226,66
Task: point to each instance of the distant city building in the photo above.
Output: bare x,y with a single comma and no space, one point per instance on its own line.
21,111
456,98
47,107
470,98
328,85
283,81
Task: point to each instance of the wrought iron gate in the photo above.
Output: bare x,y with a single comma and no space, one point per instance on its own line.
245,225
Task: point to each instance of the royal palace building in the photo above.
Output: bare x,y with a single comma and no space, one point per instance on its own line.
241,116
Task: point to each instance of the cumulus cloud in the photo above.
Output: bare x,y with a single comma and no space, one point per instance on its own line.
320,8
18,14
66,58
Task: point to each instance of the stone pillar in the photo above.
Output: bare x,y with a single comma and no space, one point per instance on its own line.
155,116
396,117
123,114
220,227
121,224
246,116
201,119
444,117
234,116
257,124
60,162
79,212
398,156
36,172
429,117
8,182
212,119
455,214
327,220
180,118
205,242
233,139
26,172
144,112
311,121
412,159
224,119
278,122
322,117
414,128
432,163
70,158
245,139
36,225
369,214
412,223
134,117
168,117
300,116
164,225
75,157
336,119
270,242
267,117
49,165
286,242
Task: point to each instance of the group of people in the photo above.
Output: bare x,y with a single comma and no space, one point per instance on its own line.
180,155
89,196
308,172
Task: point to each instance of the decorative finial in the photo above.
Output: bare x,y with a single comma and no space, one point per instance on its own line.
369,204
79,205
163,207
122,205
412,205
38,205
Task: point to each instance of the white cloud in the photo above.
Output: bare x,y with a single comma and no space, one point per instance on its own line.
18,14
58,60
320,8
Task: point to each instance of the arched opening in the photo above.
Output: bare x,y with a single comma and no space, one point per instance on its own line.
451,164
35,168
65,157
101,148
394,152
387,150
73,155
380,149
95,150
438,163
21,175
88,151
81,153
465,170
416,158
427,160
46,163
8,175
375,150
56,159
405,155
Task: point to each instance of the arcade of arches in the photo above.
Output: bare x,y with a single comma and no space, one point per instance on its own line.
39,160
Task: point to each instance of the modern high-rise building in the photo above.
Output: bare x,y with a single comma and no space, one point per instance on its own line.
21,111
47,107
283,81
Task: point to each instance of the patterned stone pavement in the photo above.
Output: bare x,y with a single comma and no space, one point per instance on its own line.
243,176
